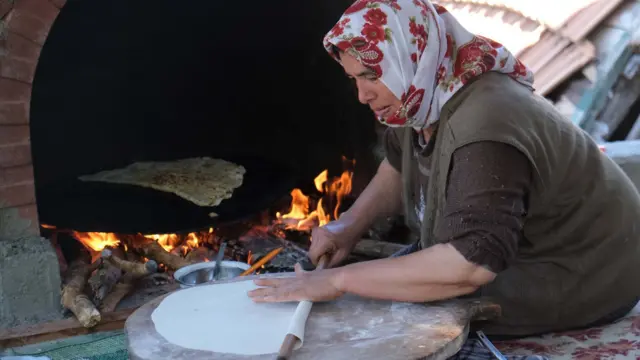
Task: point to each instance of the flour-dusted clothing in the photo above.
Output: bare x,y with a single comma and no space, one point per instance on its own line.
493,205
568,250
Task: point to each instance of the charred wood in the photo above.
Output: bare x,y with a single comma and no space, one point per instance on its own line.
200,254
74,297
376,249
137,269
122,289
155,251
104,279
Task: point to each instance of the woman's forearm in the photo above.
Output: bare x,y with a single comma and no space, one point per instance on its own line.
439,272
382,197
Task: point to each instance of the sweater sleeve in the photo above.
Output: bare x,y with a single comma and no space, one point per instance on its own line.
486,203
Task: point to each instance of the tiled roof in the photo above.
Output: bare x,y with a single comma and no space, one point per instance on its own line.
547,35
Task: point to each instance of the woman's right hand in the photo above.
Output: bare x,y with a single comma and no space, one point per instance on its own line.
332,239
380,198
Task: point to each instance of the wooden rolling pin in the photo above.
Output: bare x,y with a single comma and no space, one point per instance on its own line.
290,340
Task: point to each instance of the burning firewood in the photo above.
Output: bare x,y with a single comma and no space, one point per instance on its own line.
104,279
200,254
136,269
122,289
73,296
153,250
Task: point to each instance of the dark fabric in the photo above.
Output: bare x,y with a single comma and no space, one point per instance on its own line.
474,349
486,200
605,320
407,250
486,203
392,148
475,326
576,258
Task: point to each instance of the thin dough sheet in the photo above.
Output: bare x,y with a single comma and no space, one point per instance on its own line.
221,318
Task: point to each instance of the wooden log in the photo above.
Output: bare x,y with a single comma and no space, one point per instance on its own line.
122,289
37,333
137,269
153,250
73,296
376,248
200,254
104,279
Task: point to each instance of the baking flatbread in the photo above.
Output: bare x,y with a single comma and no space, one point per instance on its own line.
203,181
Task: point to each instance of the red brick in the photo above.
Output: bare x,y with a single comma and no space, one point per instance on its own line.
19,57
5,7
17,195
14,101
11,135
16,175
14,113
18,47
15,155
58,3
43,10
14,68
32,19
13,91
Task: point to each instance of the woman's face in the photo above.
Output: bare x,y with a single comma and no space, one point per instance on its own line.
371,90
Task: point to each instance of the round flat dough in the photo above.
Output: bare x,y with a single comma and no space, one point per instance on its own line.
221,318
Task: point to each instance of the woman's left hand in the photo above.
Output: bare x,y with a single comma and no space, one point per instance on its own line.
317,285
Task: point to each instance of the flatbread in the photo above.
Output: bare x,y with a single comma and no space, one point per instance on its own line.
223,319
203,181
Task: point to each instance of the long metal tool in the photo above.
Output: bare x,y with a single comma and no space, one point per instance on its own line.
286,349
219,257
489,345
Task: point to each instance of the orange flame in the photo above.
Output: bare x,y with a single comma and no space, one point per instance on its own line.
300,218
96,241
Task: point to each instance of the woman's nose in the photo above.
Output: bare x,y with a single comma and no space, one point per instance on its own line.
365,95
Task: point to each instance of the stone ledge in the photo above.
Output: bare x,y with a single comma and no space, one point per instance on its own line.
29,281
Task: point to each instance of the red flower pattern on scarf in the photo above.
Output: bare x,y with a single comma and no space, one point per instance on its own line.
423,75
376,17
474,58
373,33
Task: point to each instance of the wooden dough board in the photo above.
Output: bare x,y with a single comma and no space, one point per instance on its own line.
349,328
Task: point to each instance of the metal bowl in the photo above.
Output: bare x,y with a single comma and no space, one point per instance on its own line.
202,273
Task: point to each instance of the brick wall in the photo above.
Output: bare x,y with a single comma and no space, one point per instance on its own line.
24,26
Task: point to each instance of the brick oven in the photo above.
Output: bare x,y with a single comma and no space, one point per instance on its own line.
95,85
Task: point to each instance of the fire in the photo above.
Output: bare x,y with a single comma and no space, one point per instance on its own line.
96,241
306,212
299,206
300,218
167,241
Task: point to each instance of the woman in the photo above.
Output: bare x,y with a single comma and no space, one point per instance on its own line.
510,199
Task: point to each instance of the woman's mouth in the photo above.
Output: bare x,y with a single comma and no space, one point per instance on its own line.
382,112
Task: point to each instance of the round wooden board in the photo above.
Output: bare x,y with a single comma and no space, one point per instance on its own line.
348,328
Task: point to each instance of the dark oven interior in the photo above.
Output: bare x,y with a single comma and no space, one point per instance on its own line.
247,81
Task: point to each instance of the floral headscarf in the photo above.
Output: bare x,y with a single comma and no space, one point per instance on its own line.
420,52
